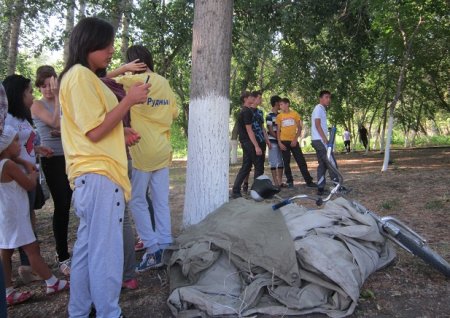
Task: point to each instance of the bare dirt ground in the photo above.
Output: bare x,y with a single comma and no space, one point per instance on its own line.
416,189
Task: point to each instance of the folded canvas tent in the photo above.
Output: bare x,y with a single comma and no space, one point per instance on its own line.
245,259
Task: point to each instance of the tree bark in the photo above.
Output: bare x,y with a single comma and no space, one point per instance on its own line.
125,29
5,34
401,79
16,21
81,9
70,22
208,145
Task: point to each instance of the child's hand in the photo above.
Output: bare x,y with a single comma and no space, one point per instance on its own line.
138,93
132,137
282,147
135,66
34,175
29,166
44,151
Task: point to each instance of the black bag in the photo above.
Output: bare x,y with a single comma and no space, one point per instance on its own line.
42,191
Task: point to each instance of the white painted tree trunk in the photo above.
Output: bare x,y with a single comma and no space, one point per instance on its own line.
234,149
207,175
208,158
387,150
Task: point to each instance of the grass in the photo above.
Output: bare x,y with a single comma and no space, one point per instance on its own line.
389,204
434,205
179,143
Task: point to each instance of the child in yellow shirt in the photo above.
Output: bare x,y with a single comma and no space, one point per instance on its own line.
151,158
289,130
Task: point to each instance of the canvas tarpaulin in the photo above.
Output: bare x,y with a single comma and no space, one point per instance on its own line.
245,258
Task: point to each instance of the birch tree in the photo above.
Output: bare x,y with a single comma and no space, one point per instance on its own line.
407,43
16,21
208,145
70,21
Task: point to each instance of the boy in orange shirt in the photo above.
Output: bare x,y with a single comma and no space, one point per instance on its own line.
289,129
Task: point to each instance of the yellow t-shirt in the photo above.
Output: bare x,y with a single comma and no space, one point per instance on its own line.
85,100
287,124
152,121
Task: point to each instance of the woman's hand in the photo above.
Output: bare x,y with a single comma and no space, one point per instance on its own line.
135,66
54,87
44,151
132,137
137,94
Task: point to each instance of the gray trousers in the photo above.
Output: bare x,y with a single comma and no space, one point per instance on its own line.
129,255
321,152
97,261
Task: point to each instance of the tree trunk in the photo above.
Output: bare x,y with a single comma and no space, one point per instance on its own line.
5,34
70,21
125,29
81,9
117,12
208,146
401,79
16,20
383,129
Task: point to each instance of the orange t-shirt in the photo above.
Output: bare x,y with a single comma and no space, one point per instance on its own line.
287,124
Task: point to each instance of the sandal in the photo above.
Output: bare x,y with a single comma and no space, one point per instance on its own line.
17,297
59,286
64,267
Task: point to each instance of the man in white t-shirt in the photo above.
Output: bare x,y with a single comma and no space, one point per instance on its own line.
347,140
319,130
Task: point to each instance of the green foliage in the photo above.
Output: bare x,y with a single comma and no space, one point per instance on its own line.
178,141
290,48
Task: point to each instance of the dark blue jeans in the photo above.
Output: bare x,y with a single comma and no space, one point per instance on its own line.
3,313
249,158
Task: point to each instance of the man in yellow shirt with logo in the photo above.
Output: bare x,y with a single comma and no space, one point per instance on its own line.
151,158
289,130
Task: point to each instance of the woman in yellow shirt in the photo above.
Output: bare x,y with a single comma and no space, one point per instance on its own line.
94,147
151,158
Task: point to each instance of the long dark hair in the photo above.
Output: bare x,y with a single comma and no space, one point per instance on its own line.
89,35
142,53
15,86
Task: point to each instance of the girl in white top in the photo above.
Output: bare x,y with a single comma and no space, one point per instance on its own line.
15,224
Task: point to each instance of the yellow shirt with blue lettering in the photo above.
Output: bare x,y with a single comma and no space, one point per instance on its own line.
85,101
152,121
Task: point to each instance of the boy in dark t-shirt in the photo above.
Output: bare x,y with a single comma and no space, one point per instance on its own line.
251,148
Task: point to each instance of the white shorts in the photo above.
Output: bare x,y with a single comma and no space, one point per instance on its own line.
275,158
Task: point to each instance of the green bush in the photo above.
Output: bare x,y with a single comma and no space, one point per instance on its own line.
179,142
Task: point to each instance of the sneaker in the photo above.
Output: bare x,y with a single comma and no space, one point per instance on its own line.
245,187
311,185
130,284
290,185
59,286
26,275
150,261
236,195
64,267
16,297
139,246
